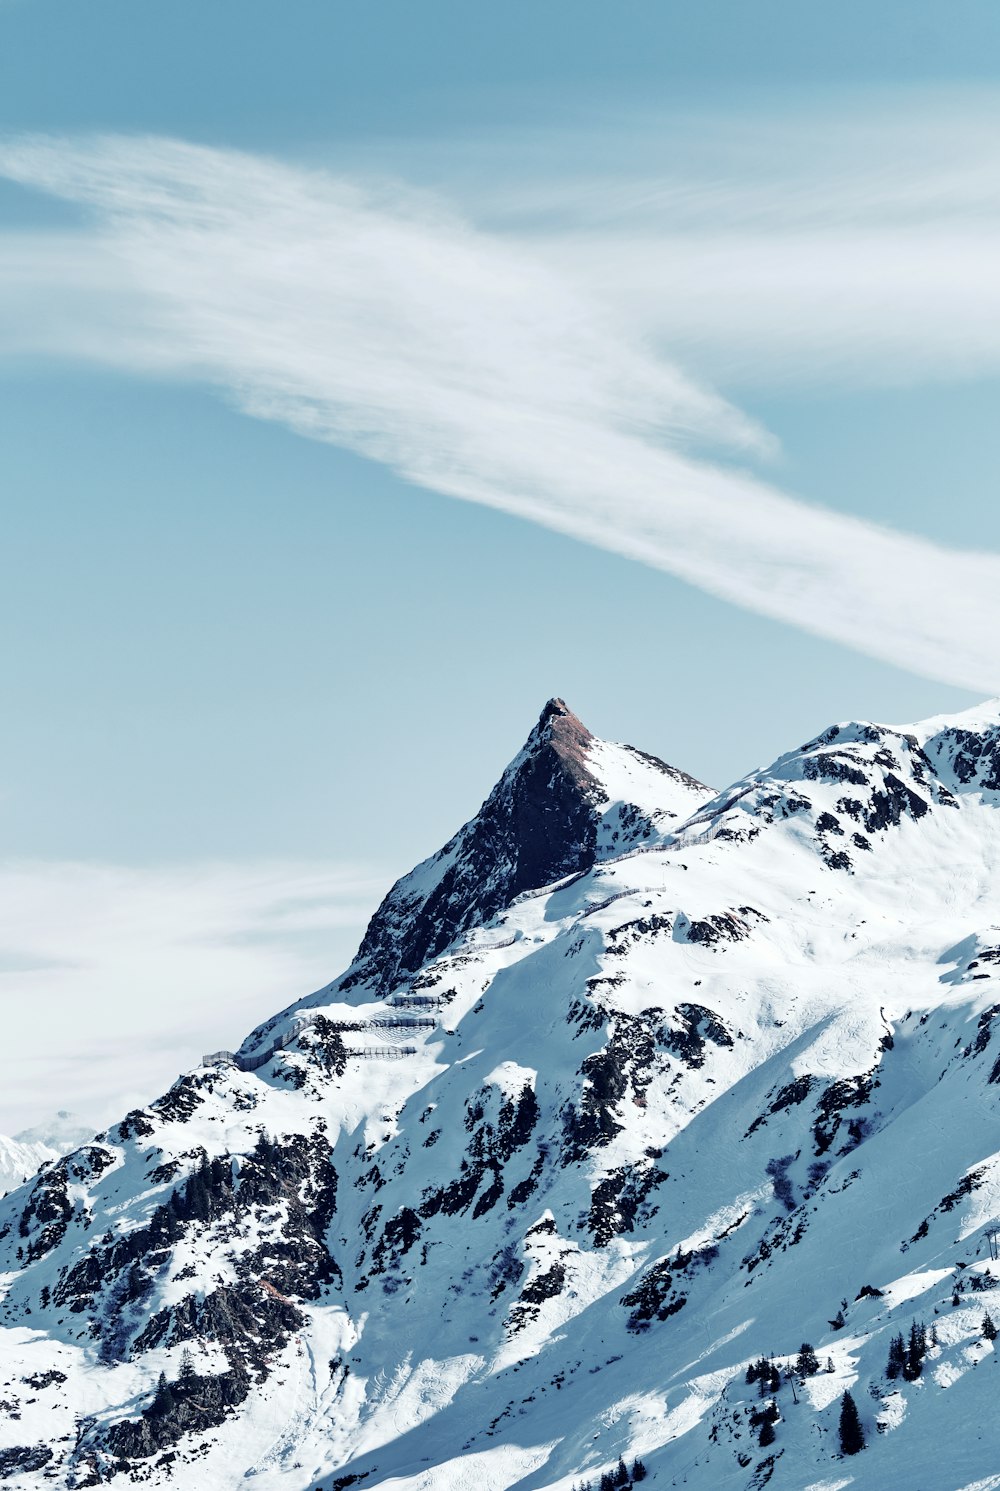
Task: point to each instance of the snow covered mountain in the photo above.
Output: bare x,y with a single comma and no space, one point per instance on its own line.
18,1161
633,1093
59,1133
22,1156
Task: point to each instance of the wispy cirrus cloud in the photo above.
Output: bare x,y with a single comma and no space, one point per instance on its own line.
494,368
852,243
115,978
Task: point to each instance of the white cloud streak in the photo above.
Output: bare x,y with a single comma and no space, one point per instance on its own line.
113,979
377,319
829,247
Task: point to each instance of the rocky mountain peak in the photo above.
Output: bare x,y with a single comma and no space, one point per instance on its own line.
566,800
561,731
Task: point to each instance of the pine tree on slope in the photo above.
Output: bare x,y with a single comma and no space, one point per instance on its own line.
852,1438
164,1399
915,1352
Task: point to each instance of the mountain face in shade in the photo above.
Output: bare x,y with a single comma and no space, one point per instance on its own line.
648,1123
557,808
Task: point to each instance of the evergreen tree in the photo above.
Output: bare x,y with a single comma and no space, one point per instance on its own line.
638,1471
46,1296
807,1362
607,1482
896,1365
989,1330
916,1350
852,1438
164,1400
187,1367
198,1202
527,1113
621,1474
767,1435
172,1224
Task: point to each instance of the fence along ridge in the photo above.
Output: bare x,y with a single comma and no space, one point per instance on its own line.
255,1060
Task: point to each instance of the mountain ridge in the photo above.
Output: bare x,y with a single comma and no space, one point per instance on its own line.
545,1199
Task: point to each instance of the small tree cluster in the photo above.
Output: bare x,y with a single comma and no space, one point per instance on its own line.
166,1396
766,1375
764,1420
896,1364
618,1479
906,1358
205,1195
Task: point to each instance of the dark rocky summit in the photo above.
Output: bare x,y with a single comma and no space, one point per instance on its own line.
539,824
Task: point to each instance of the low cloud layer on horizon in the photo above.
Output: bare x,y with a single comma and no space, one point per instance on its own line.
115,978
510,369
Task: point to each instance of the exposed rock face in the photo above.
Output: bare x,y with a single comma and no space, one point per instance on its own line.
540,823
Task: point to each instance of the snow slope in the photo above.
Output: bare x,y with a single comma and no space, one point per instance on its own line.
629,1086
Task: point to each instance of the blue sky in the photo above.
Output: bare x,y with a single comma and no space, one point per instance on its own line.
470,356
